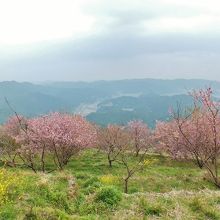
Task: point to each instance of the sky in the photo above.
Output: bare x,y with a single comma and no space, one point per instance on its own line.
88,40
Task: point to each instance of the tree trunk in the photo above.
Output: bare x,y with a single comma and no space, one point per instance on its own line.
126,185
137,153
13,161
137,150
200,164
214,174
57,157
110,163
42,160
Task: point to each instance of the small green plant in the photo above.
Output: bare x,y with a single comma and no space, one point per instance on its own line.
200,207
82,175
109,195
91,189
91,185
8,212
91,181
196,205
30,215
151,208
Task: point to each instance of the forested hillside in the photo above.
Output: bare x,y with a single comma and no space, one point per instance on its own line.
124,100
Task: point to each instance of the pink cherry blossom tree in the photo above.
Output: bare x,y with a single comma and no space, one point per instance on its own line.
14,125
8,133
140,135
8,148
195,133
166,138
210,110
133,154
112,140
58,135
184,138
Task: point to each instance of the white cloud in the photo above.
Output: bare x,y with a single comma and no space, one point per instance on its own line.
27,21
193,24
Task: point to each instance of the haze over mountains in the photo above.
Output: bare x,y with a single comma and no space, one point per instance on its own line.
102,102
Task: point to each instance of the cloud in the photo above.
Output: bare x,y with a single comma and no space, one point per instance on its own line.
128,39
27,21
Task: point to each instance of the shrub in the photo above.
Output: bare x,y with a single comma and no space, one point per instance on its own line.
109,195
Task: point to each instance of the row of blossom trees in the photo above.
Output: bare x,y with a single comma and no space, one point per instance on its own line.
56,137
193,133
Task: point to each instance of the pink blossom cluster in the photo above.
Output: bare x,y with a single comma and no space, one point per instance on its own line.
140,135
60,135
194,135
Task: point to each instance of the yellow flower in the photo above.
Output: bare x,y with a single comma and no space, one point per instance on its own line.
7,181
148,162
108,179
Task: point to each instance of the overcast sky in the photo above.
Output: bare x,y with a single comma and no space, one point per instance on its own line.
109,39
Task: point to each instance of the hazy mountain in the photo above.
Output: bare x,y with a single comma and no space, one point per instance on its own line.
148,108
101,101
144,86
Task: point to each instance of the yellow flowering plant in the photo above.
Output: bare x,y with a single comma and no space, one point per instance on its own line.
108,179
149,162
7,184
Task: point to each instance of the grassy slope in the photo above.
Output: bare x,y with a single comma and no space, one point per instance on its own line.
165,190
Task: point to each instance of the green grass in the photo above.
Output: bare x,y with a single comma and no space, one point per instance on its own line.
167,189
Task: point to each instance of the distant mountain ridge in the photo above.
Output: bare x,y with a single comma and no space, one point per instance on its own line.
157,86
102,102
